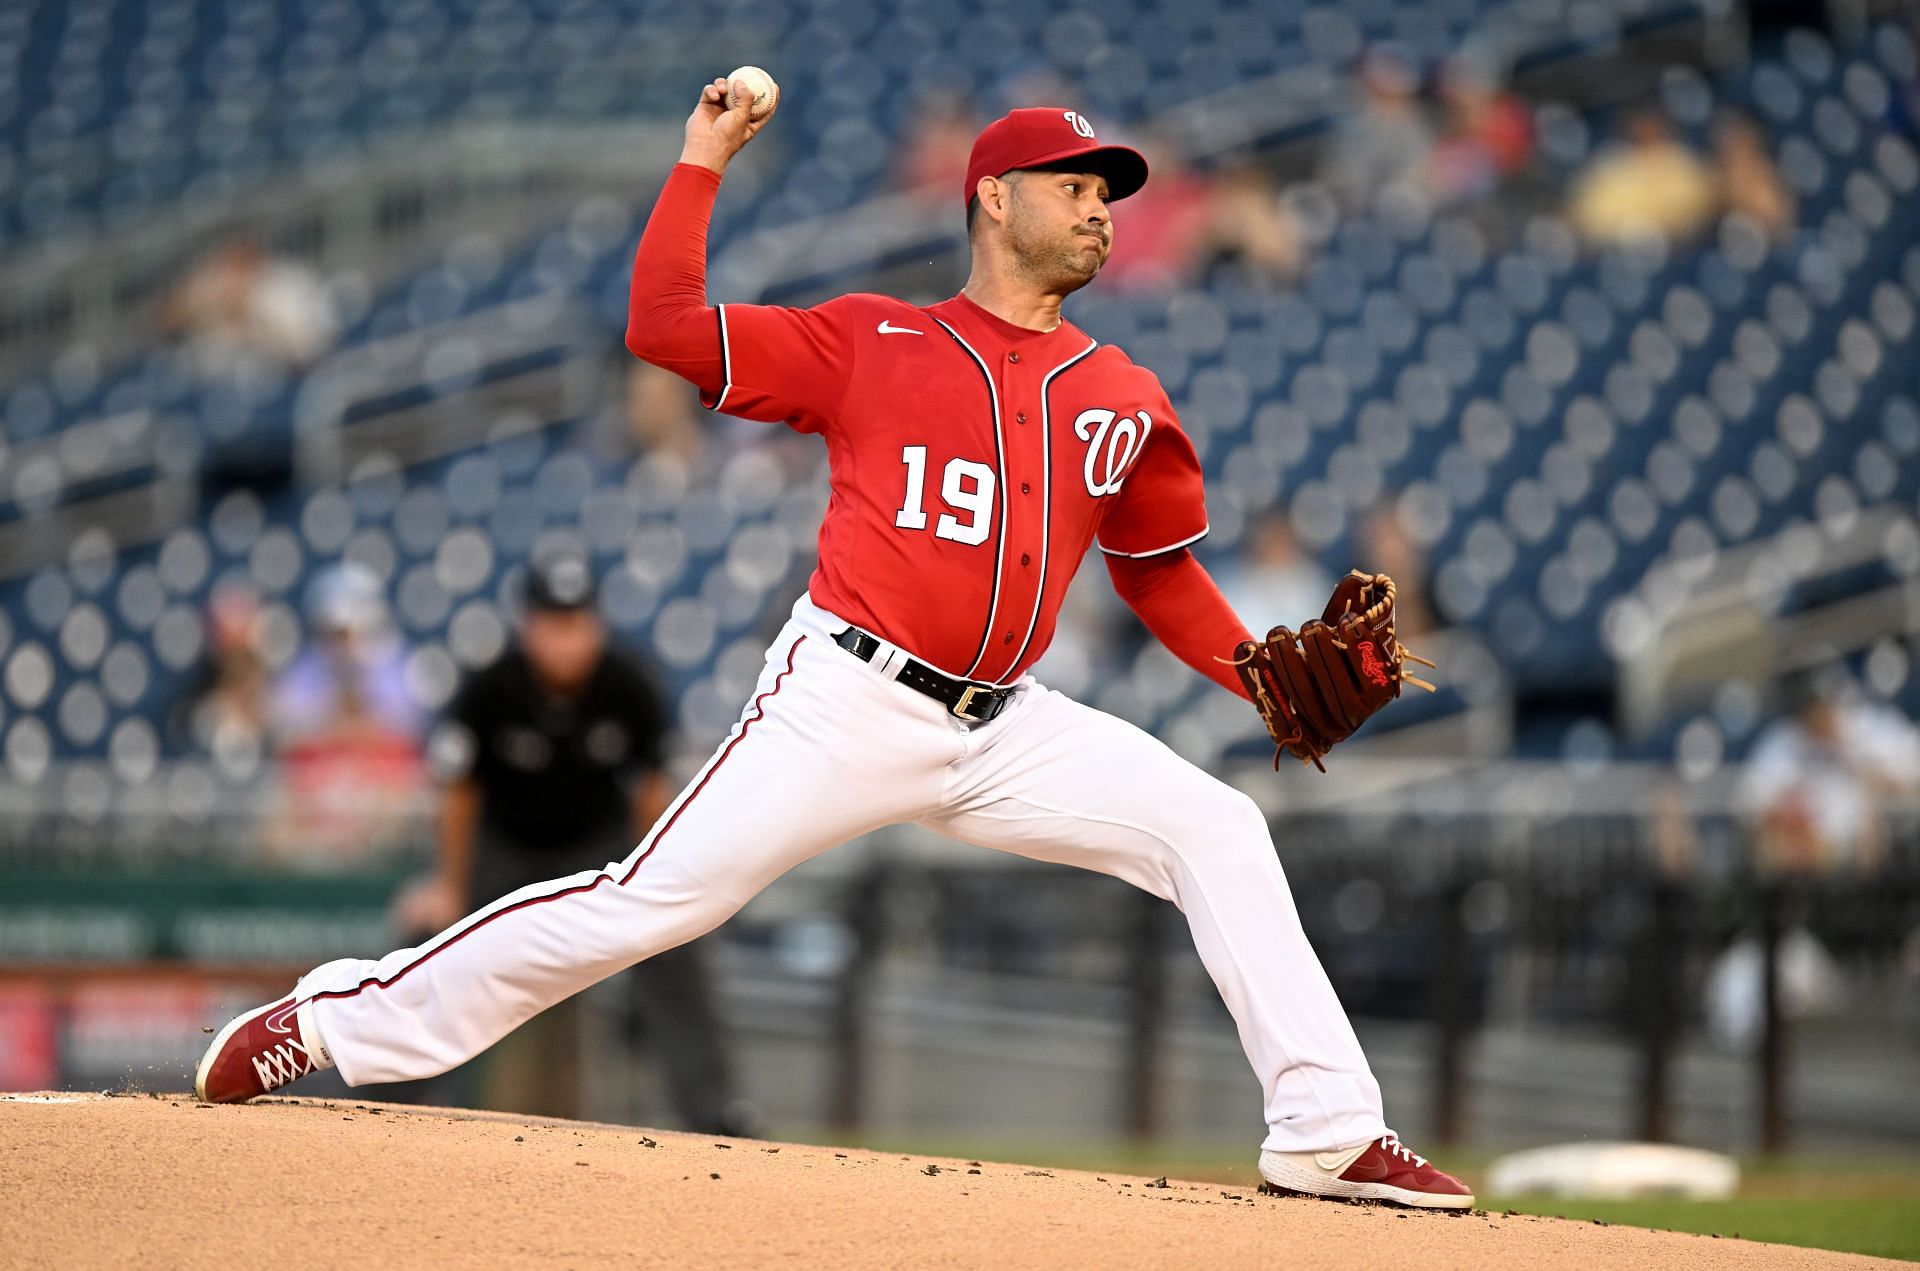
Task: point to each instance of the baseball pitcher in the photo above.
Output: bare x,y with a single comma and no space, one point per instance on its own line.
977,447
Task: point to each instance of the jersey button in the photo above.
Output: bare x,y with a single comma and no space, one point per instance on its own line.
1007,638
1020,418
1026,558
1013,357
1025,488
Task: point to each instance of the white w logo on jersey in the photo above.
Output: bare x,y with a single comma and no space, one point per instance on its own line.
1112,443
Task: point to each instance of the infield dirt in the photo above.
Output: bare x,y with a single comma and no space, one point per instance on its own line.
139,1180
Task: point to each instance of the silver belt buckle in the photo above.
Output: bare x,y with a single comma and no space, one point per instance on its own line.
960,708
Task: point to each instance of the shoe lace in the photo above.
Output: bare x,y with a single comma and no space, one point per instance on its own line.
282,1063
1395,1147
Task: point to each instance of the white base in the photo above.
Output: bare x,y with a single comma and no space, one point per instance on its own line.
1616,1171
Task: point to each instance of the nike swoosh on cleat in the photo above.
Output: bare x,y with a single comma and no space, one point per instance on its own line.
281,1020
887,328
1366,1171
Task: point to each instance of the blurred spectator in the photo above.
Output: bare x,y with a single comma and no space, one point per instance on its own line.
1385,142
238,306
1160,232
1652,187
931,163
223,712
662,417
1750,185
353,669
1385,547
1274,582
553,760
1811,986
1250,228
658,417
1815,790
347,725
1487,138
1818,782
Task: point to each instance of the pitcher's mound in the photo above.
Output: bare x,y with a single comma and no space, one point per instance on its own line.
151,1181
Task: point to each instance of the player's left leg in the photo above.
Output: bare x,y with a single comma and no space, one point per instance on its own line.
1054,780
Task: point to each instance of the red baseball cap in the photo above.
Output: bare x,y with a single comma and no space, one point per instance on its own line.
1044,137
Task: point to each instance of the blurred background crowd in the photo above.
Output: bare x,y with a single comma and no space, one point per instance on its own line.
1593,322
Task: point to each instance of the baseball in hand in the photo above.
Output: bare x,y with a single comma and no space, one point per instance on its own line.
759,83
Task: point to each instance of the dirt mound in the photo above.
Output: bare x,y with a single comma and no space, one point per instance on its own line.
161,1181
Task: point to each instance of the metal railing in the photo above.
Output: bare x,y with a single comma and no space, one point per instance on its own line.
1530,951
1703,619
373,214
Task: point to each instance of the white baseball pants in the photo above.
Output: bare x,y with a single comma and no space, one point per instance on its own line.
830,748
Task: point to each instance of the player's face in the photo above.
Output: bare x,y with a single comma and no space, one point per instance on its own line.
562,645
1058,227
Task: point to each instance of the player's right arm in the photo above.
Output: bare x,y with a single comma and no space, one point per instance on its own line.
433,903
459,827
754,361
436,901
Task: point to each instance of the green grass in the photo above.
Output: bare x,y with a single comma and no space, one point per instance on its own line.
1886,1226
1849,1204
1855,1204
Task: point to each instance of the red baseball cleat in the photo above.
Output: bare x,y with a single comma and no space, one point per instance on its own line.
1383,1170
256,1053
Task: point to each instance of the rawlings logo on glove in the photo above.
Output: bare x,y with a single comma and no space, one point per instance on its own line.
1314,687
1371,666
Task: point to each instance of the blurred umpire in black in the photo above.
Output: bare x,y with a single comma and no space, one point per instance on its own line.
552,760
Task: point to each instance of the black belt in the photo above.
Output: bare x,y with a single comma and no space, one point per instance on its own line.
964,699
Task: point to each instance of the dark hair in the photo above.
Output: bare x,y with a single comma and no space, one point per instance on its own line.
973,201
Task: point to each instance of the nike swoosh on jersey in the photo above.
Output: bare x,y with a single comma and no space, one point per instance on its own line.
887,328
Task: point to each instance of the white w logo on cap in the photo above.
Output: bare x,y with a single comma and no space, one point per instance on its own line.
1079,123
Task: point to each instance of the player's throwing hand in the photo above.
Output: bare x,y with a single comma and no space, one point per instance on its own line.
714,133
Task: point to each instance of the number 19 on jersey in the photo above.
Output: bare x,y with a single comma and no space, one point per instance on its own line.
965,486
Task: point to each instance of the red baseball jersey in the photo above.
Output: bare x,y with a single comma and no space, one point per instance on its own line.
972,464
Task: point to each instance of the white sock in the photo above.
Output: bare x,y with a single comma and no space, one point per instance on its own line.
310,1036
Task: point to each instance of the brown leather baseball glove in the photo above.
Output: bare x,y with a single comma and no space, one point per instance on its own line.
1314,687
